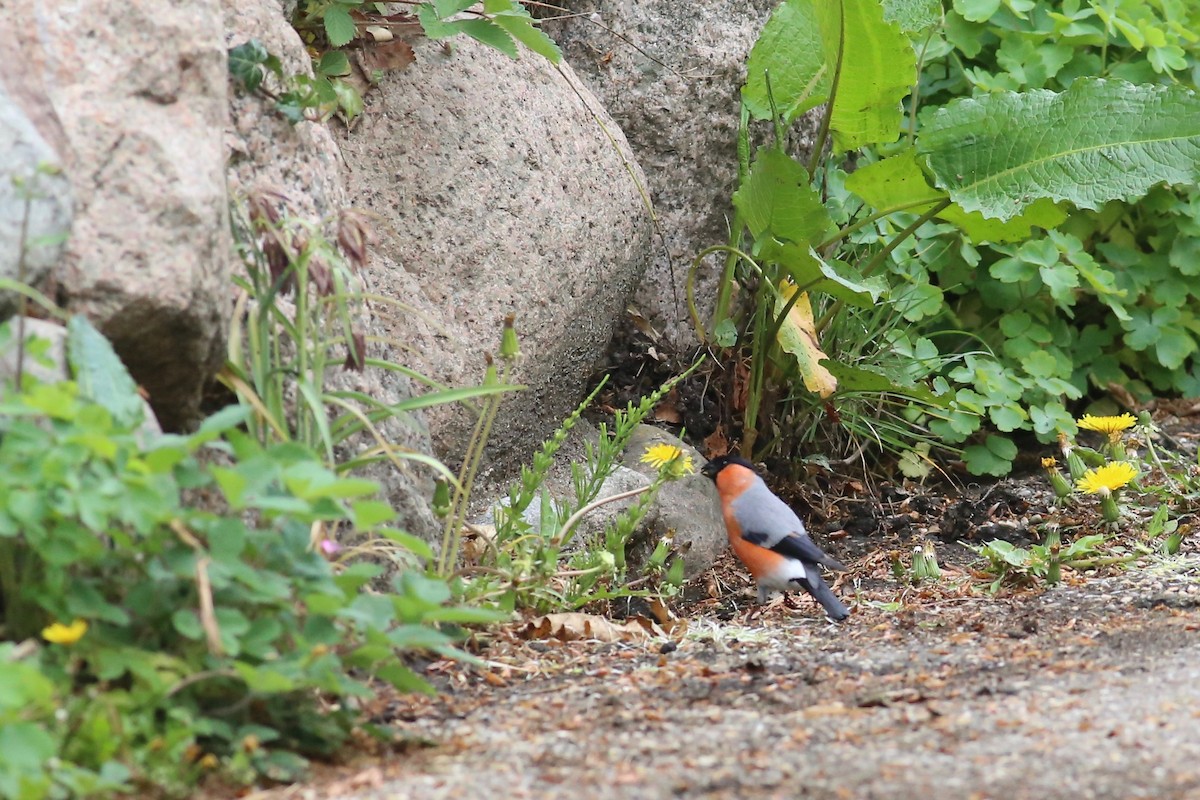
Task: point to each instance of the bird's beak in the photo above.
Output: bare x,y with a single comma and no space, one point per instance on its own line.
709,470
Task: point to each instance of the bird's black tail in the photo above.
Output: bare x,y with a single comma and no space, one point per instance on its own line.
815,585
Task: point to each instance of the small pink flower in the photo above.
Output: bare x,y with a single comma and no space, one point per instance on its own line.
329,546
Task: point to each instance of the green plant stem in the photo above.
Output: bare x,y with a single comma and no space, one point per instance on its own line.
878,259
452,534
846,232
573,520
726,281
827,117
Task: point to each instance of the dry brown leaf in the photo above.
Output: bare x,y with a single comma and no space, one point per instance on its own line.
715,444
668,410
384,57
575,626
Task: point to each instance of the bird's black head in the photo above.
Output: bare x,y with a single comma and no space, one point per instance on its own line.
712,468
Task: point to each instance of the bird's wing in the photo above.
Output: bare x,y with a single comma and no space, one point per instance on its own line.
767,521
794,545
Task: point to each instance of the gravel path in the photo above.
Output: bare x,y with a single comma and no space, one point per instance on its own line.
1085,691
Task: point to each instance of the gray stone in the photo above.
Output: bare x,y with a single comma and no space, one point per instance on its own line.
35,198
678,104
687,510
301,164
140,90
49,364
500,192
266,152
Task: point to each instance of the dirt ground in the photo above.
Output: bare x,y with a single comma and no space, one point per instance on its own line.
1089,689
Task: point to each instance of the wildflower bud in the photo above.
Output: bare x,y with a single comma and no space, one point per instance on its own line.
1062,488
510,347
441,498
355,236
490,376
356,352
1075,466
1054,550
1108,506
925,565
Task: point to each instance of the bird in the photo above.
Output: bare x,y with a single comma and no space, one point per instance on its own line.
768,537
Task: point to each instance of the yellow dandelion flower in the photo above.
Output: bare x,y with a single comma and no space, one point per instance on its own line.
1049,463
65,634
1107,479
669,457
1112,426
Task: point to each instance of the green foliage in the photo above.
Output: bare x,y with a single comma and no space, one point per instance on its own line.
297,323
297,97
1018,565
531,563
203,637
1020,228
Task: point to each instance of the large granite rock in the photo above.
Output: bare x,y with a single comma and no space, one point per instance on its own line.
670,75
140,90
504,188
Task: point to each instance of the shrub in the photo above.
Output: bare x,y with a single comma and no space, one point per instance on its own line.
191,622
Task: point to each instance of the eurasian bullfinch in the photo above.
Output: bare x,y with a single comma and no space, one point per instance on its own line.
768,537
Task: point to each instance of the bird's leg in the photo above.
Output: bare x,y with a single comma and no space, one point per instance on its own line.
762,595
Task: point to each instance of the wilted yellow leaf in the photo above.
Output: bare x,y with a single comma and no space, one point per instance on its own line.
798,336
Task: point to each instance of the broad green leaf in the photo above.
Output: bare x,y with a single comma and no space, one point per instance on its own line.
857,379
489,33
878,70
777,200
808,46
899,184
1097,141
912,15
339,27
514,19
790,53
335,62
993,457
977,10
812,273
100,374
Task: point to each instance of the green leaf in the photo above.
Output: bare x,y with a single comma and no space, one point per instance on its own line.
448,8
246,64
487,32
878,69
100,374
898,183
977,10
339,27
1098,141
791,50
812,273
725,333
993,457
805,43
777,200
1173,347
912,15
514,19
334,63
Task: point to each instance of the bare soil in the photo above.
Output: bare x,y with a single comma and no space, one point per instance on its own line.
1090,689
940,691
